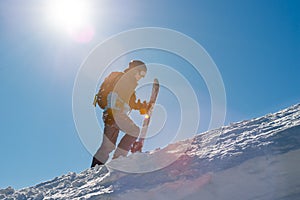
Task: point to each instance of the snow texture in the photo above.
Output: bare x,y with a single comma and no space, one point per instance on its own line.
254,159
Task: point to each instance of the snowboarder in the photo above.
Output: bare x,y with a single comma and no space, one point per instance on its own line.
117,97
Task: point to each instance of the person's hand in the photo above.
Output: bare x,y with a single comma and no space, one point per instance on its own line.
143,111
144,108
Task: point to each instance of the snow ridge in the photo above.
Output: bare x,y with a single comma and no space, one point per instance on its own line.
251,159
272,134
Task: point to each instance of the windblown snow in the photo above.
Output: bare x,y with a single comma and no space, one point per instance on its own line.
255,159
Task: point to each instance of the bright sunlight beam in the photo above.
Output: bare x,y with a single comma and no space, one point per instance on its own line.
73,17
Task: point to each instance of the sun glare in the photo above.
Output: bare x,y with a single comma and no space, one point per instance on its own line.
72,17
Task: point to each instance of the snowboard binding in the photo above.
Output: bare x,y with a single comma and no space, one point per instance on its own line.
136,147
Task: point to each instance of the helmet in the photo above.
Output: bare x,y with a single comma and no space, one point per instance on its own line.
137,65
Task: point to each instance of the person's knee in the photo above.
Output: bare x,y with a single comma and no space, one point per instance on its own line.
135,132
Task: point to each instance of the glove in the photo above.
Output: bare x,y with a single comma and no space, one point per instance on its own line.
144,108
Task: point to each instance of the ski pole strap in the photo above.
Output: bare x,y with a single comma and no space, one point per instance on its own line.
95,100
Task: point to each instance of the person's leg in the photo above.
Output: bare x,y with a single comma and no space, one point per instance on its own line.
124,146
110,136
132,132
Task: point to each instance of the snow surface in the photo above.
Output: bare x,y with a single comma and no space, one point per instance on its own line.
254,159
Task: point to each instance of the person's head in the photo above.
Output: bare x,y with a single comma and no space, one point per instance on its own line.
137,68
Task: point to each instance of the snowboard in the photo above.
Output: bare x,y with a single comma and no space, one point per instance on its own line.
138,145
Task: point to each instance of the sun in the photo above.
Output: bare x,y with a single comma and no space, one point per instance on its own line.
71,16
68,14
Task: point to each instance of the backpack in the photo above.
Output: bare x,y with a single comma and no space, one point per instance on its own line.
106,87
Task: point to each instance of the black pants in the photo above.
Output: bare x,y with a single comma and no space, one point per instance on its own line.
113,123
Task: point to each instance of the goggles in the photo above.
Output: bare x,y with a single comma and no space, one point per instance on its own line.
142,73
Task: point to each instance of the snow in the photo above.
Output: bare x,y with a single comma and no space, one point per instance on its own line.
254,159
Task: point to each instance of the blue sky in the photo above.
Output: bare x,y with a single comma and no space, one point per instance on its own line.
255,44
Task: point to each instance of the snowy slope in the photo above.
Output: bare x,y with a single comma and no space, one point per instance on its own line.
254,159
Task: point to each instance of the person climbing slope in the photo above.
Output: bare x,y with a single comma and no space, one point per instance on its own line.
117,98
